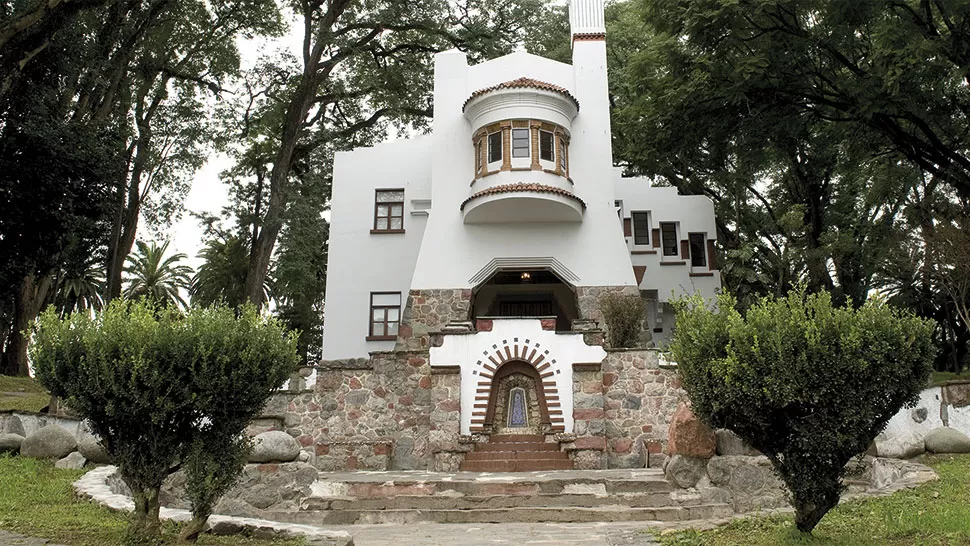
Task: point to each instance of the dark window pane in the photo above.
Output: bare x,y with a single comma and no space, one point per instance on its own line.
698,249
520,143
641,228
668,237
545,145
562,155
494,147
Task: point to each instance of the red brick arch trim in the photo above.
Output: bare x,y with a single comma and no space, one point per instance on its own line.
516,350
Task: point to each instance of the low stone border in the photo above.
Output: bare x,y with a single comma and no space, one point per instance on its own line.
94,485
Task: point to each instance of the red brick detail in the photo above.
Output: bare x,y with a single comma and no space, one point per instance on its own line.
322,449
355,383
586,414
424,382
655,447
548,324
638,272
522,187
589,37
610,378
483,325
622,445
591,442
381,449
527,83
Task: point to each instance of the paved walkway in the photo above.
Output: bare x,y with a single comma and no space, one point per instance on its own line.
491,534
13,539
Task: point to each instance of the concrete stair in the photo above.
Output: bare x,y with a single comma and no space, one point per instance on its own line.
558,496
516,453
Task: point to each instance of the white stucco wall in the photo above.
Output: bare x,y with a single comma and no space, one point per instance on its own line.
694,213
360,262
470,353
904,427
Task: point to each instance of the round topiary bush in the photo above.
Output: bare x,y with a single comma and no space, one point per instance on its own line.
806,383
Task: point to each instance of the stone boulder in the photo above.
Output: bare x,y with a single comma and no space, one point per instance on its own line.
50,442
688,436
88,445
74,461
899,447
12,425
729,443
684,471
274,446
947,440
10,442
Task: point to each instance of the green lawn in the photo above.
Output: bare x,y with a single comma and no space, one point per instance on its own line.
938,378
934,514
37,500
22,393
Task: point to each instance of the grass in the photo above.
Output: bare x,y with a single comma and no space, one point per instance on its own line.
934,514
37,500
938,378
22,393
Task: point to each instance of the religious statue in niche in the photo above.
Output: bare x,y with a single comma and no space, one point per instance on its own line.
518,409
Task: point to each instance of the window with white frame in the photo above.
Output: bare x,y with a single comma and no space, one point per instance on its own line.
668,238
385,315
641,227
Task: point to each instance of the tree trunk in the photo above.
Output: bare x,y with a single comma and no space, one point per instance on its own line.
193,529
145,527
808,514
31,297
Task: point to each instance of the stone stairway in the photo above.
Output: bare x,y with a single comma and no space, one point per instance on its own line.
516,453
560,496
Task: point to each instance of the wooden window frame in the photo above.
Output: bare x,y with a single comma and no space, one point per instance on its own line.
489,147
701,242
640,239
390,216
371,336
552,145
664,248
528,145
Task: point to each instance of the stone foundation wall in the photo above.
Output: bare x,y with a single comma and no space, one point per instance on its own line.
588,300
622,409
366,414
429,311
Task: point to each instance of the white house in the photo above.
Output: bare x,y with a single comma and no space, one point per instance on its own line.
504,227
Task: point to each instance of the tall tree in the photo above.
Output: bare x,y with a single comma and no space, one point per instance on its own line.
361,65
153,276
222,275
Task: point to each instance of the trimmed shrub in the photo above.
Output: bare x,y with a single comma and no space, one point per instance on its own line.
157,386
624,317
807,384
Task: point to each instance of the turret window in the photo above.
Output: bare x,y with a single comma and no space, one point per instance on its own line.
495,147
546,141
520,143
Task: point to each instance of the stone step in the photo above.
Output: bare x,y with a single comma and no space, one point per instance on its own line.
557,514
439,502
528,465
515,455
363,485
502,438
518,446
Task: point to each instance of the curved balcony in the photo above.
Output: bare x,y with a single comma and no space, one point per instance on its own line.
523,98
522,202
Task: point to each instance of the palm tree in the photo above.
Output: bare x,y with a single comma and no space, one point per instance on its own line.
155,278
79,289
222,275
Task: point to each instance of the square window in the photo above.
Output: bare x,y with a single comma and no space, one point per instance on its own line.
641,228
698,249
546,146
389,210
668,238
385,312
520,143
494,147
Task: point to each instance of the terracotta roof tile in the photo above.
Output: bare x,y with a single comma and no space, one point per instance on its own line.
521,187
524,83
